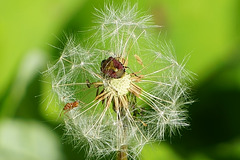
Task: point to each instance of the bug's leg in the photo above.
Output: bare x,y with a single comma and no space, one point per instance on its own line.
66,111
114,106
88,83
61,113
103,99
133,73
66,114
97,91
95,84
101,96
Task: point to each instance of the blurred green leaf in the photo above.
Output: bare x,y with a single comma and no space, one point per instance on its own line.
204,29
28,69
198,156
28,140
26,25
229,150
160,151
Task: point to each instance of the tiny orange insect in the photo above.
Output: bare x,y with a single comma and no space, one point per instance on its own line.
70,106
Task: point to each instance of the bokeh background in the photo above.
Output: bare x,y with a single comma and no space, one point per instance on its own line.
33,32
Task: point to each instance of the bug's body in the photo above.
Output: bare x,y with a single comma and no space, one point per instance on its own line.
112,68
70,106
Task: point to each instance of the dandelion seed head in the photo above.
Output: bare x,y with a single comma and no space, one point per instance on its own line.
130,87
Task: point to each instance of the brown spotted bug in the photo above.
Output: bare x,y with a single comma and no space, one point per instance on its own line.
112,68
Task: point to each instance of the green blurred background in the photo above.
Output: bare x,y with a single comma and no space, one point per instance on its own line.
206,30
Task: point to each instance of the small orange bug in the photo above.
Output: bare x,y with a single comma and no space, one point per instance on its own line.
70,106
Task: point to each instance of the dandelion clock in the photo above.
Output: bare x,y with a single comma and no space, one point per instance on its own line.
122,88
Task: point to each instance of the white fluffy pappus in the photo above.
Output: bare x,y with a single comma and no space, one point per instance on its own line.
129,88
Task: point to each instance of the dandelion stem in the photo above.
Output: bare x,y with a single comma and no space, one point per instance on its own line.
122,155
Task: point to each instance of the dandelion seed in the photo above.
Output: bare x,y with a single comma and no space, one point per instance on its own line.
126,101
